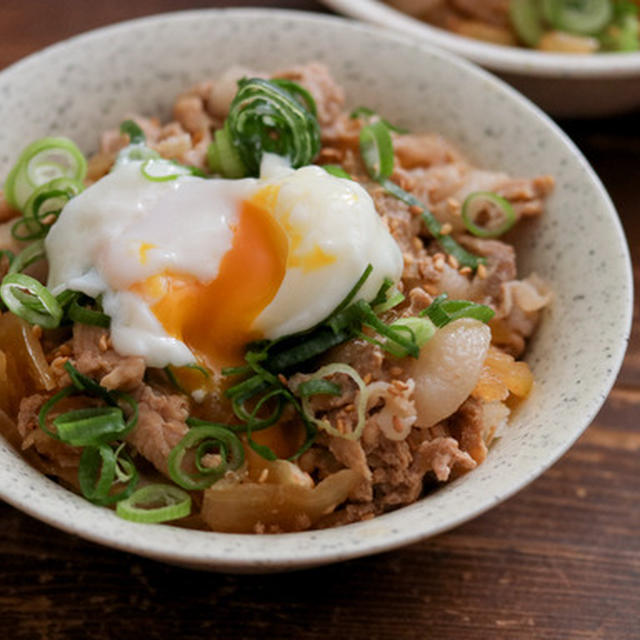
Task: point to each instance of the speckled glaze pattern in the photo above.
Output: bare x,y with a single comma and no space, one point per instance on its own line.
84,85
564,85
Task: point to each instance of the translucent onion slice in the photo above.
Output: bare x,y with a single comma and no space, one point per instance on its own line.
449,368
20,345
241,508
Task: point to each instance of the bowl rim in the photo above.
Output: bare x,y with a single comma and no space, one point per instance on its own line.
311,548
500,58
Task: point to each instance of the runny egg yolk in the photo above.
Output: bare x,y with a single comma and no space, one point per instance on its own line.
214,319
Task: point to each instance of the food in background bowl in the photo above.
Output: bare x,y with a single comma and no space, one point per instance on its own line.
234,338
562,26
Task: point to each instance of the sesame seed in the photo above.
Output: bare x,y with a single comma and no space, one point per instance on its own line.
465,271
482,271
454,206
446,229
103,343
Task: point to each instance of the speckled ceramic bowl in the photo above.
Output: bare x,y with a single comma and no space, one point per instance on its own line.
564,85
86,84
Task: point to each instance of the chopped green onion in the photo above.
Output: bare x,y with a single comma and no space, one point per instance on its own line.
34,252
361,403
155,503
41,162
92,426
239,399
8,255
299,93
353,292
30,300
487,204
199,368
85,383
421,330
337,171
49,199
25,229
84,315
582,17
134,131
223,157
622,34
394,299
376,149
163,170
526,18
369,115
442,311
315,387
138,152
216,437
264,117
48,406
98,473
125,469
255,424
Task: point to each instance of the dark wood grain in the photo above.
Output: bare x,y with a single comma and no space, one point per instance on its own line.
561,560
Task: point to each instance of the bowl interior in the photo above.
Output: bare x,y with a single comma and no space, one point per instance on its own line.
82,86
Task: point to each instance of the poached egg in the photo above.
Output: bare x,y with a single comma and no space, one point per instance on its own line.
192,269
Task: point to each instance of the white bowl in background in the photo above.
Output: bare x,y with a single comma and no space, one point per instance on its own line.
86,84
564,85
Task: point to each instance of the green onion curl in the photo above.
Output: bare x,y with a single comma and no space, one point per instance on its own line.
499,211
163,170
28,256
205,437
98,474
265,117
155,503
361,402
30,300
582,17
41,162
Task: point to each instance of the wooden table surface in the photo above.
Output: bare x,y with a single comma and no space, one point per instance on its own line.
560,560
